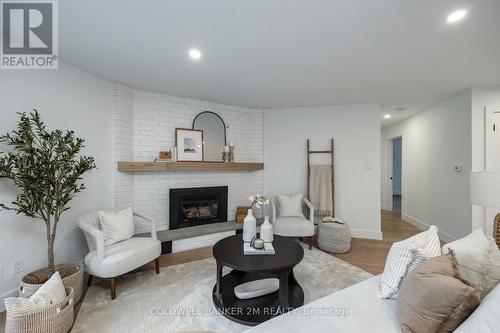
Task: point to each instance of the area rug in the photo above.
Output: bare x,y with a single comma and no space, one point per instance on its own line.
180,297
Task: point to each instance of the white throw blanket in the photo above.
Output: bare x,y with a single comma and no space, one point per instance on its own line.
320,189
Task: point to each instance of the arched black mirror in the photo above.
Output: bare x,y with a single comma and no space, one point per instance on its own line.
214,135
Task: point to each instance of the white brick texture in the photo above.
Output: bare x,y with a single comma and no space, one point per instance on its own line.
145,124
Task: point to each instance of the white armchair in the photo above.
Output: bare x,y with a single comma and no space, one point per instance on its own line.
109,262
294,226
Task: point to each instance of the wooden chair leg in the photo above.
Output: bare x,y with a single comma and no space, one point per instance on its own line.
113,287
157,265
89,281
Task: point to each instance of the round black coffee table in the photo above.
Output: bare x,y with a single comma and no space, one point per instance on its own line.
229,252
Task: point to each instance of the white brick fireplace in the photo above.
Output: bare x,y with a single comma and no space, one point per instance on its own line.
145,124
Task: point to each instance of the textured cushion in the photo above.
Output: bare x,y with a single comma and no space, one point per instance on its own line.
436,297
50,293
116,226
404,257
290,206
485,318
293,227
475,244
123,257
18,306
480,258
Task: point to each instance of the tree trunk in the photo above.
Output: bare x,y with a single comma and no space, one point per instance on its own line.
50,256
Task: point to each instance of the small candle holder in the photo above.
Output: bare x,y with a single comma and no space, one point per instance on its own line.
231,154
225,155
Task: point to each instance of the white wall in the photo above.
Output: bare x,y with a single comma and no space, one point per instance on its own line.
484,100
435,141
356,130
145,125
67,98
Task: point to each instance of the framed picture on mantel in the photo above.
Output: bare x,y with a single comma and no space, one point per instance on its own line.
189,143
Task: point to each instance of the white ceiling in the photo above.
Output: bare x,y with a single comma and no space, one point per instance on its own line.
287,53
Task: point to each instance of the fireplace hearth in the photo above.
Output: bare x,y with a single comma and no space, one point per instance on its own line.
196,206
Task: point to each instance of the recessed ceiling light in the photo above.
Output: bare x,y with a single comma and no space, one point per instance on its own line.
387,116
195,54
456,16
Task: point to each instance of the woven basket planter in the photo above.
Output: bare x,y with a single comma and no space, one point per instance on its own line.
71,275
56,319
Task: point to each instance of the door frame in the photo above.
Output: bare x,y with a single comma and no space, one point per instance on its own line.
389,180
491,112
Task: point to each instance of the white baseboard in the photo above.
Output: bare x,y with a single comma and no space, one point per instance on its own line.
366,233
444,236
199,241
12,293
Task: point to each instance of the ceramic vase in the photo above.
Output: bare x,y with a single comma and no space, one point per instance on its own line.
266,230
249,227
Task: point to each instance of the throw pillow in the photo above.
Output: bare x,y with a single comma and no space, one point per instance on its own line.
290,206
475,244
116,226
436,297
485,318
19,306
396,267
426,246
404,257
480,258
50,293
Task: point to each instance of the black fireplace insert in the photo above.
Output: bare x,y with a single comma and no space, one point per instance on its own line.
197,206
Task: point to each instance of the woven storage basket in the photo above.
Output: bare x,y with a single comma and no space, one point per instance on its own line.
56,319
32,282
241,213
334,237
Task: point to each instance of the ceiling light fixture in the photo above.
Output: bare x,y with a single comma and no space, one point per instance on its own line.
387,116
456,16
195,54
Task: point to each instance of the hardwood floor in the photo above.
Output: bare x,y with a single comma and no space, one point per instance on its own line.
366,254
369,254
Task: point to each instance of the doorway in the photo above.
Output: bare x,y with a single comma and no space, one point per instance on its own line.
491,156
395,181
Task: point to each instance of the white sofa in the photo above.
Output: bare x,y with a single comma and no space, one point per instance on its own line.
368,313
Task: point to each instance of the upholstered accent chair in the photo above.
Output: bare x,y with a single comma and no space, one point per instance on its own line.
109,262
293,226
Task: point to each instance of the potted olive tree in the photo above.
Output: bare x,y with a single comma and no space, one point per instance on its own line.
46,167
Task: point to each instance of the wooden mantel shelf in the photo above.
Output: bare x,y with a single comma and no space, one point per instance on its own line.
186,166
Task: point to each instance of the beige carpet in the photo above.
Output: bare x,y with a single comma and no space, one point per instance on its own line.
180,297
